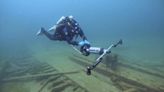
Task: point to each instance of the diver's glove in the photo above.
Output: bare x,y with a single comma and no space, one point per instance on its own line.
83,43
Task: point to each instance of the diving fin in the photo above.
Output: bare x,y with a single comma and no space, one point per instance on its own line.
40,32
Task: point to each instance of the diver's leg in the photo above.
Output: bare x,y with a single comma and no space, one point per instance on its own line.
50,36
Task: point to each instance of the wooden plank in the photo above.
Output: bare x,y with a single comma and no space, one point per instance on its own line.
35,76
143,87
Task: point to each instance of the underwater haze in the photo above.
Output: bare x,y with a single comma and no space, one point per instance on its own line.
139,23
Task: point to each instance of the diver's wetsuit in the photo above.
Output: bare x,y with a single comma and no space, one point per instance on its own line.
65,32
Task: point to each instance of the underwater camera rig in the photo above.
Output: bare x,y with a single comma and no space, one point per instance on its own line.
87,50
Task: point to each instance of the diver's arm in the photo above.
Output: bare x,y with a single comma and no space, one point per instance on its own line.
70,41
81,33
77,27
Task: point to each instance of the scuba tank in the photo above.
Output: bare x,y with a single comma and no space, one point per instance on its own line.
58,22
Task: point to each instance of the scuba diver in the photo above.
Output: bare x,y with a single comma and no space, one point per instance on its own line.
66,29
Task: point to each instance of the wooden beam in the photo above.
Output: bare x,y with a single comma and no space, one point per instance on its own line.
35,76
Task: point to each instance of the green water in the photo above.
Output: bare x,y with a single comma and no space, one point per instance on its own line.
138,22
